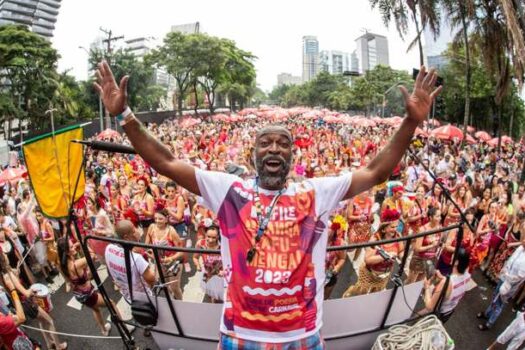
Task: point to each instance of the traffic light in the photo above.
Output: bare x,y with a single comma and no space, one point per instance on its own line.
440,108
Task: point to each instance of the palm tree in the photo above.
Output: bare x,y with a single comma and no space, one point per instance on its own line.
514,12
460,13
424,13
491,36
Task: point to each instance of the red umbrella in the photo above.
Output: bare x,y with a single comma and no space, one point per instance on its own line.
365,122
482,135
447,132
394,121
470,140
330,119
247,111
506,139
189,122
470,129
310,115
12,175
493,142
219,117
108,134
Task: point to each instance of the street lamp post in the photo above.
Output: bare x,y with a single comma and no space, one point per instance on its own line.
100,108
50,112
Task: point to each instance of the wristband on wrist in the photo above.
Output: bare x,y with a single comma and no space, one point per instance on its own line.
121,118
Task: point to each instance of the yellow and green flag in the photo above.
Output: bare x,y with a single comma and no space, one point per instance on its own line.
53,163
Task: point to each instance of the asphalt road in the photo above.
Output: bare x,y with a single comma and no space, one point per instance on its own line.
462,326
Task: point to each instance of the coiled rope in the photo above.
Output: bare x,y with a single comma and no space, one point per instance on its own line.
416,337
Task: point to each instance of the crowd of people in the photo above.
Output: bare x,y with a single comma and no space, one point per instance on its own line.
124,197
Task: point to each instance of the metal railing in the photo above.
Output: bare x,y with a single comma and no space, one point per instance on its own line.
128,246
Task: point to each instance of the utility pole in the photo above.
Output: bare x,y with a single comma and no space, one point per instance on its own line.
108,41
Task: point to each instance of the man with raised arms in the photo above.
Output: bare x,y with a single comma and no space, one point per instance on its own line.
274,236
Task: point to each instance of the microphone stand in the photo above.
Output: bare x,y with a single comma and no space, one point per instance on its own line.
463,221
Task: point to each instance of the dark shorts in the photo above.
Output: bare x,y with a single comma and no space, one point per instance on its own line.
90,300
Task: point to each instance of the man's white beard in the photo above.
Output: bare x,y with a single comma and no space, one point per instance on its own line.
271,180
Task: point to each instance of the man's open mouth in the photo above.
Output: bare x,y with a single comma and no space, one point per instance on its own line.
273,165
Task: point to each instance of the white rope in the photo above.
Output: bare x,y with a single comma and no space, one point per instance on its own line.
418,336
69,334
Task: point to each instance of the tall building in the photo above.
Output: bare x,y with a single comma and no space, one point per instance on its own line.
372,49
434,47
39,15
437,61
334,62
288,79
187,28
354,62
310,57
140,47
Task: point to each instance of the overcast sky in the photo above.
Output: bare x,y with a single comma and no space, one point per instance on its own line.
272,30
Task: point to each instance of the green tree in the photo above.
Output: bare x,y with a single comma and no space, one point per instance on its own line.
460,14
341,99
239,81
514,11
29,77
333,91
366,95
70,99
222,63
296,95
258,97
424,13
376,84
479,88
276,96
214,64
491,36
177,55
482,92
320,88
143,93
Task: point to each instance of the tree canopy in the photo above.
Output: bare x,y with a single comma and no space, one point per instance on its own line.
363,94
214,64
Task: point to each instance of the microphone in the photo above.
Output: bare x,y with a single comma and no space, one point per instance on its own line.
174,267
430,269
387,256
107,146
383,254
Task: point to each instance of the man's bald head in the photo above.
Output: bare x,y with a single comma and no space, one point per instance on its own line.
273,129
125,229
